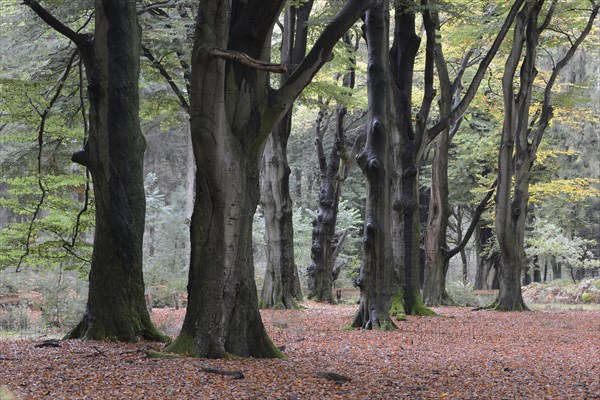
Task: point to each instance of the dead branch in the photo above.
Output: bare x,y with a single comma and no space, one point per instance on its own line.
233,374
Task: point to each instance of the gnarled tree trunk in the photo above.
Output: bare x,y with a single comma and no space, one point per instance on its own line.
377,276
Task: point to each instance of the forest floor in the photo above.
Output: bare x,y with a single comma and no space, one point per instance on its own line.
550,354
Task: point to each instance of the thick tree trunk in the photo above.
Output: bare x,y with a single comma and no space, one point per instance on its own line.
222,315
116,307
407,151
377,276
233,109
221,290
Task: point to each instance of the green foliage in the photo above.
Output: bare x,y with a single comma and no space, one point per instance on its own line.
166,240
548,240
462,293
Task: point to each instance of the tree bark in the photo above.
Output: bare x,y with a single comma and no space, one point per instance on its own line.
407,155
334,170
377,276
436,265
116,307
233,109
281,275
281,286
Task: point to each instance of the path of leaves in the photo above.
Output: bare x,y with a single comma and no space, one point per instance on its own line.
467,355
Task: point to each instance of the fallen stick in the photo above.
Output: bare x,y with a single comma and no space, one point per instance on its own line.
234,374
332,376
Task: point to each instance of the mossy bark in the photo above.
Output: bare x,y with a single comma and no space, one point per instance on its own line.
116,308
407,154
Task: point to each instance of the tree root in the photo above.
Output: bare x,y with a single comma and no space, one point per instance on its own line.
499,306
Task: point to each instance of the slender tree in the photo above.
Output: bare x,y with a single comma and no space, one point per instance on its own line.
334,168
116,307
281,287
233,110
522,133
412,140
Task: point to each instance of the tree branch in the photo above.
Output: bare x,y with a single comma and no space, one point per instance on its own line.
479,75
163,72
481,207
157,5
320,53
246,60
77,38
40,140
547,112
430,92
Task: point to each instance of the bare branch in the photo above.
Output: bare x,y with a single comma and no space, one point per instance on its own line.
77,38
481,207
479,75
320,53
547,112
248,61
44,117
158,5
165,74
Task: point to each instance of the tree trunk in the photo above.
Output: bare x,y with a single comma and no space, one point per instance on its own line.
556,268
281,273
233,109
407,152
521,137
436,264
513,159
376,279
116,307
326,243
537,272
325,246
486,276
282,283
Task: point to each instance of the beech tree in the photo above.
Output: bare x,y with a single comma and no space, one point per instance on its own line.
376,280
522,133
281,287
333,168
116,307
413,139
233,110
